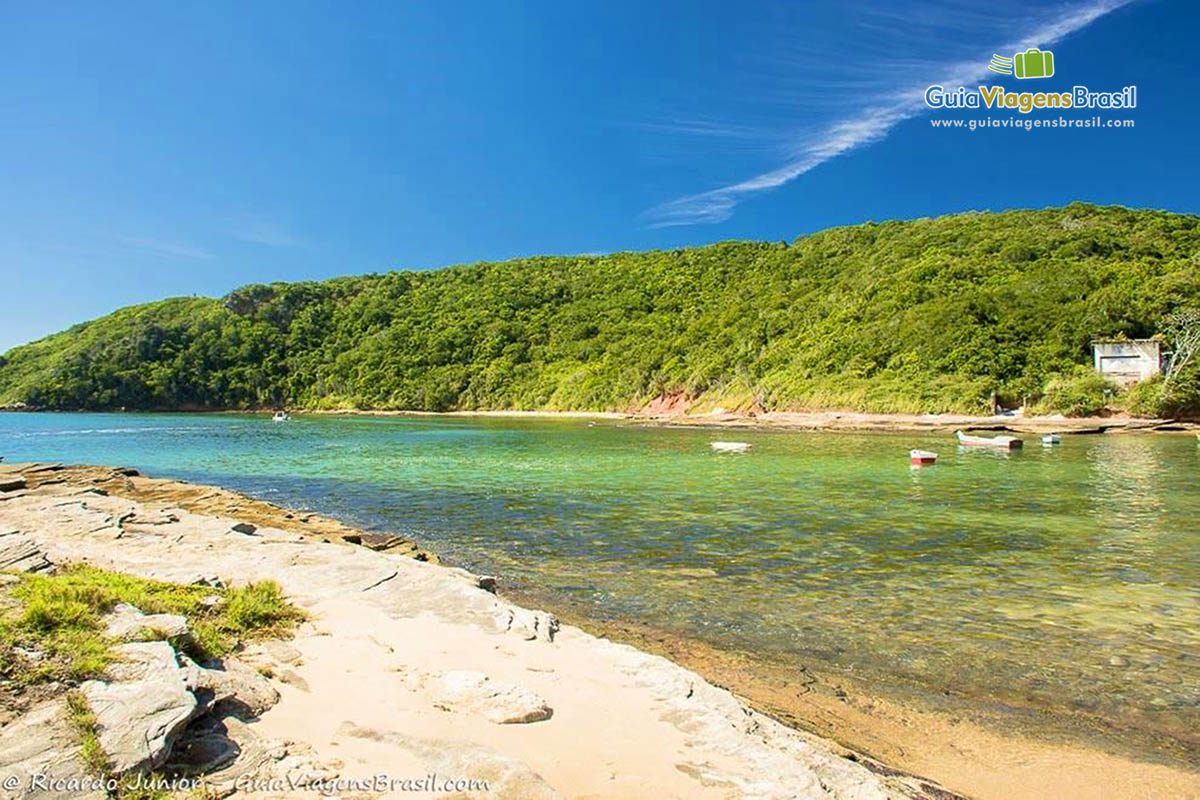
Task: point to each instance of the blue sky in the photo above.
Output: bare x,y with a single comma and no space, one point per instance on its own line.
156,149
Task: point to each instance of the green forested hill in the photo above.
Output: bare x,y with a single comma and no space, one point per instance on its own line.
927,315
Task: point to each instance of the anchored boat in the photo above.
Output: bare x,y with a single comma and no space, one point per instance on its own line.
922,458
281,416
1051,438
730,447
1002,442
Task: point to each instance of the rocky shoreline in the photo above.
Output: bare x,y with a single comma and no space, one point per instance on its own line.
406,670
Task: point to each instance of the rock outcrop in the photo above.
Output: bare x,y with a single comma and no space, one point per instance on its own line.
503,703
21,553
12,483
230,757
242,690
153,706
126,624
141,711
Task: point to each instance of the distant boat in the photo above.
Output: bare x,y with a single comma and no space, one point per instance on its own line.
1051,438
281,416
922,458
1003,442
730,447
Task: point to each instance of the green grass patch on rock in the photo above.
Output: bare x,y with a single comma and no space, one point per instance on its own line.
59,618
83,721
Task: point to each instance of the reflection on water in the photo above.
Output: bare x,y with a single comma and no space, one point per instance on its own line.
1064,575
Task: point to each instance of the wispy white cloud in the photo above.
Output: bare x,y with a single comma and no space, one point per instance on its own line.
263,231
866,125
159,247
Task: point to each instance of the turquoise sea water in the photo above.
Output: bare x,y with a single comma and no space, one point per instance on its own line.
1065,576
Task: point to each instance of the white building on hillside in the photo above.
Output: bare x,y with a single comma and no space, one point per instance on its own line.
1128,361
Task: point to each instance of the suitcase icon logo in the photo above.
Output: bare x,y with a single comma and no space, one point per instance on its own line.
1033,63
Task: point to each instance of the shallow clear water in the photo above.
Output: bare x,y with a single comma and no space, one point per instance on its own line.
1068,576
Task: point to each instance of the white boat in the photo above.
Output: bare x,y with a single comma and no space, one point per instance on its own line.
1003,442
1051,438
281,416
730,447
922,458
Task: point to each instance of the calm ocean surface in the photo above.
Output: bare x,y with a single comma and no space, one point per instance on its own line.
1069,575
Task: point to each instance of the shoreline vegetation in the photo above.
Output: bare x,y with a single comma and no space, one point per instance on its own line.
960,314
398,680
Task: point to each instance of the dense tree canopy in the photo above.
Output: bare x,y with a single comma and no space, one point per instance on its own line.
926,315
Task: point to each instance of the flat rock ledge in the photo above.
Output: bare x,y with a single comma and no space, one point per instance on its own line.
406,669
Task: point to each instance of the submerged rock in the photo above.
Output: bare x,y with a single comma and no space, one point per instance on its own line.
383,541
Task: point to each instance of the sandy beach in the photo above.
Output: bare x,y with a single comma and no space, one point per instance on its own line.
827,420
407,667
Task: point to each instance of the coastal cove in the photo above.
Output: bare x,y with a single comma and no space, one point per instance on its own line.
1055,582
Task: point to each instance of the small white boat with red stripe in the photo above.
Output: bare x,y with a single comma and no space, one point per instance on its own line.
1002,442
922,458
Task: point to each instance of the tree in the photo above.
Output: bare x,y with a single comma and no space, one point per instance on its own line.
1183,329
